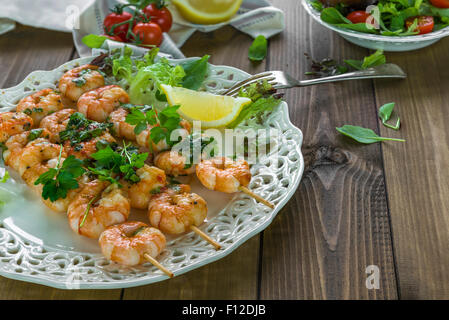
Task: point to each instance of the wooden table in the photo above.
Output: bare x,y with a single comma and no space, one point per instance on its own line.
385,204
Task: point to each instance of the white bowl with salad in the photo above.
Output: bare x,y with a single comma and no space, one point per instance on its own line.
398,25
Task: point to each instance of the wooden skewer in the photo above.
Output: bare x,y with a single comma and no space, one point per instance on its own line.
257,197
206,237
157,264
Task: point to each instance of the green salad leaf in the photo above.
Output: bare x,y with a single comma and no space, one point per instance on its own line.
146,83
195,72
258,49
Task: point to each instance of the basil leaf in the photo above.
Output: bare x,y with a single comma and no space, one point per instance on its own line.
385,113
361,27
195,72
258,49
356,64
376,59
93,40
363,135
333,16
316,4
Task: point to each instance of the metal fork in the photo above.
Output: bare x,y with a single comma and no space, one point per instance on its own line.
282,80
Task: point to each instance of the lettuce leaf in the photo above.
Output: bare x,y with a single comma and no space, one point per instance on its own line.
144,88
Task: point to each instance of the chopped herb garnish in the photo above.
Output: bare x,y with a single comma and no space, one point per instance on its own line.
34,134
163,123
112,165
81,80
80,129
60,180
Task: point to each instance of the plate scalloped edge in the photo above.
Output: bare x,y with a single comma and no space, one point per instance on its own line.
240,220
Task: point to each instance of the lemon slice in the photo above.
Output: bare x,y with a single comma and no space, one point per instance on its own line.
212,110
207,11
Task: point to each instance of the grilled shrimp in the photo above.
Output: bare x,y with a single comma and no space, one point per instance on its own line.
175,209
122,129
12,123
151,180
16,144
83,150
79,80
56,122
143,138
97,104
223,174
127,243
37,152
97,206
173,163
40,104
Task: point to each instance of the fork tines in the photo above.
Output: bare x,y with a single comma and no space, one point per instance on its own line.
235,89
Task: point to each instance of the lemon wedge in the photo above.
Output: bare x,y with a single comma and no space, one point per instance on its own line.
207,11
212,110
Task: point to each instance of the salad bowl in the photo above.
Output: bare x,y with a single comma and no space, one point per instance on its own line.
374,41
38,246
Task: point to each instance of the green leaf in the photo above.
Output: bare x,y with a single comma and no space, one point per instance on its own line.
93,40
195,71
376,59
316,4
385,113
258,49
255,109
363,135
34,134
360,27
356,64
333,16
5,177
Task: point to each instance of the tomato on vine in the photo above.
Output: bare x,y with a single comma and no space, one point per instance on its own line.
148,33
117,23
159,14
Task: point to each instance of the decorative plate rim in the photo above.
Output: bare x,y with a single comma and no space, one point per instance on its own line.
374,37
282,109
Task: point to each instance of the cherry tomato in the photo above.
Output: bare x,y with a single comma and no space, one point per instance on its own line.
425,23
148,33
114,18
115,38
161,16
358,16
440,3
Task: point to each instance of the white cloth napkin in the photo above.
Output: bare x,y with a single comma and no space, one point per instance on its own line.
83,17
57,15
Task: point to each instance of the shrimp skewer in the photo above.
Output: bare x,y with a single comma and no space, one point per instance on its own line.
79,80
97,104
40,104
176,210
125,130
97,206
131,243
225,175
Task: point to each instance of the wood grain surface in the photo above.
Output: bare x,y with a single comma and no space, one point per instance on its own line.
385,204
417,172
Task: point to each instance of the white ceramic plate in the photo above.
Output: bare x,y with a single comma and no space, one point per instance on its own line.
38,246
374,41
